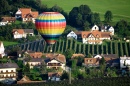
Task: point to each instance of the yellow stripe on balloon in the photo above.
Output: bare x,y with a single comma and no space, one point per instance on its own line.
52,17
53,31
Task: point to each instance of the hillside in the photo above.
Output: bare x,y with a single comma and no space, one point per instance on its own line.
119,8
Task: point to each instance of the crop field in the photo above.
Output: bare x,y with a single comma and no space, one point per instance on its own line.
111,47
119,8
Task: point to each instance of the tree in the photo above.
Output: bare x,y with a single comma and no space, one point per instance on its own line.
43,68
26,69
68,53
64,75
96,18
89,55
4,7
108,16
122,28
86,26
84,9
56,8
102,65
102,61
79,15
79,20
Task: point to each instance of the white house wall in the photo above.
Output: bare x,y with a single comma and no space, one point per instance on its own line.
95,27
3,23
55,61
124,61
72,35
10,73
32,64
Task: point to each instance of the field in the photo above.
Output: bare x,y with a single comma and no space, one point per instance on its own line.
6,43
119,8
111,47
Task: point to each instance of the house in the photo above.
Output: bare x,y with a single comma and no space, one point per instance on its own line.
95,27
124,62
55,61
54,76
94,37
72,35
22,33
107,29
29,32
7,20
26,14
33,62
78,33
91,62
2,49
112,62
8,71
18,33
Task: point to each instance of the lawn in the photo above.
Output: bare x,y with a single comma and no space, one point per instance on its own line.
119,8
7,43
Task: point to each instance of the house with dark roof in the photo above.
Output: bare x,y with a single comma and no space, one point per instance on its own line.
55,61
8,71
107,28
22,33
33,62
54,76
7,20
110,55
26,14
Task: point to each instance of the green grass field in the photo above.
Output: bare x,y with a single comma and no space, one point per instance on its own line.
7,43
119,8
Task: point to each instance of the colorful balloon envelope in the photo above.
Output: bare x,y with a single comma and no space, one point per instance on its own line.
50,25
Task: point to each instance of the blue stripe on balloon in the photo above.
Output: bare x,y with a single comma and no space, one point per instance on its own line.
61,20
51,36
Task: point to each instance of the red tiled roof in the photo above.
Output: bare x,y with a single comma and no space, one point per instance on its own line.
20,31
96,34
26,12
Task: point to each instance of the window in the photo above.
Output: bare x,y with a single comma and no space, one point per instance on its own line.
11,70
2,71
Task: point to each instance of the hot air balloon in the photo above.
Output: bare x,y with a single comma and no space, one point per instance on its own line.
50,25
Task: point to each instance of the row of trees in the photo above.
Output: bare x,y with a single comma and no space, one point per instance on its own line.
62,46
